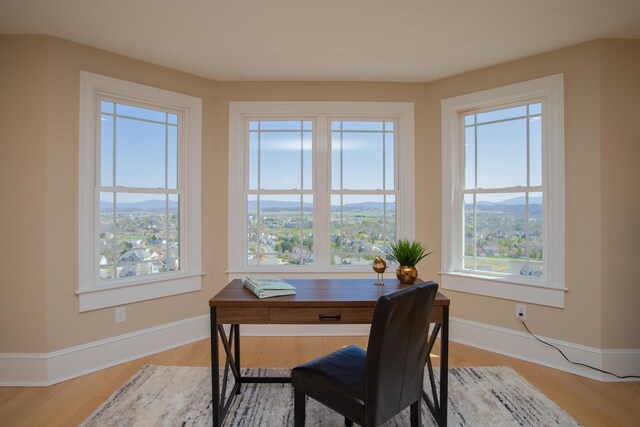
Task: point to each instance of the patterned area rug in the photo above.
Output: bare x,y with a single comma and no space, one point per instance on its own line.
181,396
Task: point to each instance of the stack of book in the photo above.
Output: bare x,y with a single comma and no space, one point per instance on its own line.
268,286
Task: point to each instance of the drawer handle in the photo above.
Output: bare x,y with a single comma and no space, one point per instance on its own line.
330,316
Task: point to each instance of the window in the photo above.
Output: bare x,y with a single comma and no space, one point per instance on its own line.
317,186
503,191
139,192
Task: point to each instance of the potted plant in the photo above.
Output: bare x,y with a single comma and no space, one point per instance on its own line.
407,254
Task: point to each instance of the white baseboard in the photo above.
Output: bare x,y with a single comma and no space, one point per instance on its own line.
43,369
521,345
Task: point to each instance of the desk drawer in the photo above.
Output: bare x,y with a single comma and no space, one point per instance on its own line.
323,315
245,315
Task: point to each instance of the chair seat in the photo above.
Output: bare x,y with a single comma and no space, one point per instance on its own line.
336,380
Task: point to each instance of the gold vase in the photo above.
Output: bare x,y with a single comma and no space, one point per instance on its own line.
406,275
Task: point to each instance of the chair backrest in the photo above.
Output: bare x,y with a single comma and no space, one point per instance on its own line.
396,353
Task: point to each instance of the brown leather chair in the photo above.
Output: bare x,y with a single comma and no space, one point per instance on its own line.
370,387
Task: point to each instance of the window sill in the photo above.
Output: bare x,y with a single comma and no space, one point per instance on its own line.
503,288
355,272
96,298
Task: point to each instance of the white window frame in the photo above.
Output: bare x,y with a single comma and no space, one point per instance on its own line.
321,113
91,292
551,289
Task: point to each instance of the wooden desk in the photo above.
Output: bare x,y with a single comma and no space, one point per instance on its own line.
317,301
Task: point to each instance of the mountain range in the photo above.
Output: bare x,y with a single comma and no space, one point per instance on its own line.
276,205
145,205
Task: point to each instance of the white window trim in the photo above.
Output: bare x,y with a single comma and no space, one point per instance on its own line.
405,204
551,293
93,295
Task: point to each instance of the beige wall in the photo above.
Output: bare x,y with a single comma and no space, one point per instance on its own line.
39,137
581,319
23,88
620,163
41,237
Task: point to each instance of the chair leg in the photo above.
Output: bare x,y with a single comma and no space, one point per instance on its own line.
348,422
416,414
299,408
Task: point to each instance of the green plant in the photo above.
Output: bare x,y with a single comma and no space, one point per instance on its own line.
408,253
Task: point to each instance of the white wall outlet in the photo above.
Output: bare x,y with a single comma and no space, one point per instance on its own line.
121,314
521,311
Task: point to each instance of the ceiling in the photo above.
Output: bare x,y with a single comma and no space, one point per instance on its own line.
324,40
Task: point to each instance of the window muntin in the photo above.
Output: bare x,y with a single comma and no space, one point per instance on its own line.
139,191
502,195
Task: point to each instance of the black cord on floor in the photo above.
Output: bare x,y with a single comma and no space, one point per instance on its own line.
576,363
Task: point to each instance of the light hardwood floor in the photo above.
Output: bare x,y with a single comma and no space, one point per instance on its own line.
590,402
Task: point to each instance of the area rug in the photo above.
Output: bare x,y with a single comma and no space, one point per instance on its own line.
181,396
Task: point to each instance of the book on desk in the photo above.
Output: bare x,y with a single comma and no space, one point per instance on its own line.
268,286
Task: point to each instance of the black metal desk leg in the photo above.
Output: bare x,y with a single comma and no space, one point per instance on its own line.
215,377
236,346
444,366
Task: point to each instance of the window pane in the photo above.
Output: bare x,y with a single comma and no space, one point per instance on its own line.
390,225
172,253
306,229
253,160
389,162
336,161
107,237
535,268
389,126
362,161
172,119
253,230
141,233
362,126
469,231
470,119
502,154
280,160
470,157
106,150
535,151
140,154
535,108
172,159
280,125
359,226
307,160
505,113
141,113
337,238
106,107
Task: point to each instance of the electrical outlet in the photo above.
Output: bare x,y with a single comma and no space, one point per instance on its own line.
121,314
521,311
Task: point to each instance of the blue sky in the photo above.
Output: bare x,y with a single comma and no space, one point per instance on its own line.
286,151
